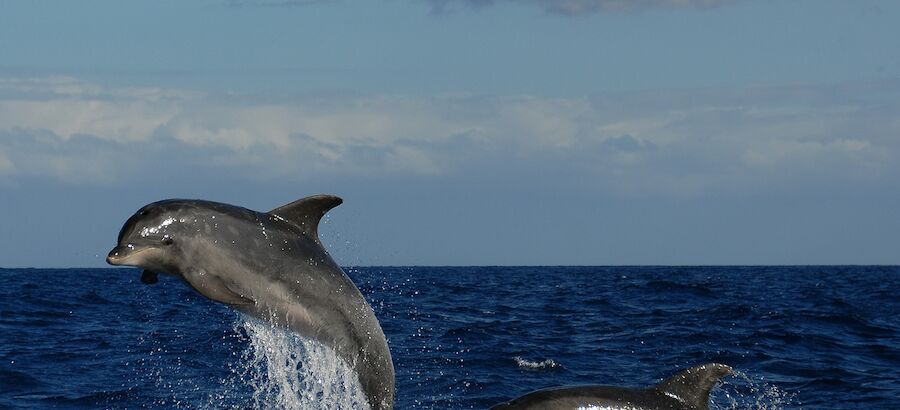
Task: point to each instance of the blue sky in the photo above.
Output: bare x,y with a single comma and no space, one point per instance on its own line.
460,132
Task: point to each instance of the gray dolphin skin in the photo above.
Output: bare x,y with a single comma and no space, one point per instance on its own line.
267,264
687,390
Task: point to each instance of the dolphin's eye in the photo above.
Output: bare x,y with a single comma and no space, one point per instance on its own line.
167,240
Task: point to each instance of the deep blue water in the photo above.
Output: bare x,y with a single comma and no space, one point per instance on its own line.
469,337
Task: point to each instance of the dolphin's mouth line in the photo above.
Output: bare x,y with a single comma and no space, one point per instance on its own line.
116,256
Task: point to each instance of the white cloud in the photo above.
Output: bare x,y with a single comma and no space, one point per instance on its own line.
105,119
66,107
671,142
6,166
579,7
63,86
565,7
573,7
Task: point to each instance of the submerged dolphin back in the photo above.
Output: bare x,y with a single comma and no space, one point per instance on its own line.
686,390
692,386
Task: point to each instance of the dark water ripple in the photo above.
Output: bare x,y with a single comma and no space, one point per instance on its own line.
468,337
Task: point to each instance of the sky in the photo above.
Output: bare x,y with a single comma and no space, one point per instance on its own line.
462,132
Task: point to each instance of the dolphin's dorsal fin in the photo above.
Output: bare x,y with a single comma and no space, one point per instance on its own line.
305,213
692,386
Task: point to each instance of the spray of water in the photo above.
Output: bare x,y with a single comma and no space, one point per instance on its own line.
536,365
286,371
741,392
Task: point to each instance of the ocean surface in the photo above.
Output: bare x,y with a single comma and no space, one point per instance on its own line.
461,337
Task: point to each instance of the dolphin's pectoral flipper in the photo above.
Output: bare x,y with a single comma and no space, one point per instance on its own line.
692,386
149,278
305,213
215,288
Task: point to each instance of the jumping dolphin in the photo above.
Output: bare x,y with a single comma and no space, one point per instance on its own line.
687,390
270,265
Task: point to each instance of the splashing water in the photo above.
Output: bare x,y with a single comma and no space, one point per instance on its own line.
286,371
536,365
741,392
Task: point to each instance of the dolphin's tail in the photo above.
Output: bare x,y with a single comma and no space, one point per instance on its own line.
692,386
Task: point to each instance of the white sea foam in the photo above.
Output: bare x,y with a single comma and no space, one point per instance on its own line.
529,364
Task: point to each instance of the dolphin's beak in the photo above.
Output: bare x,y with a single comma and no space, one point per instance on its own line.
120,255
116,255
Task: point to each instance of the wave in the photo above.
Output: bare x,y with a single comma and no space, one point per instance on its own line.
535,365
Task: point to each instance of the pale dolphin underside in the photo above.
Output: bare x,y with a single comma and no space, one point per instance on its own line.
267,264
687,390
